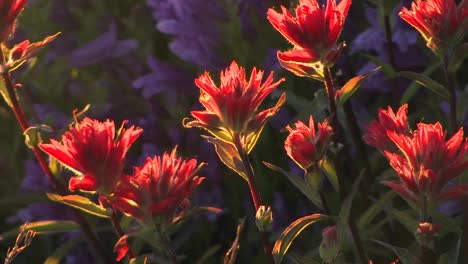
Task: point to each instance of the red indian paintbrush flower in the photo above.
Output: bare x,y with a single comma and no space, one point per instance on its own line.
426,163
9,10
232,108
313,32
306,147
376,135
440,22
160,187
95,152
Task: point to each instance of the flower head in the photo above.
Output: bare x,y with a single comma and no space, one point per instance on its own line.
94,152
9,10
440,22
426,162
313,32
304,145
232,107
159,187
376,135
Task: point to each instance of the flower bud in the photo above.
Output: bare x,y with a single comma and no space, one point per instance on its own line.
330,246
264,218
426,233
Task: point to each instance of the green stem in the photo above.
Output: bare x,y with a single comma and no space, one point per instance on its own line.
257,202
391,57
452,96
330,89
338,139
56,184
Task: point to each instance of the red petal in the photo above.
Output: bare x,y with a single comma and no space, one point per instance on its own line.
84,183
121,247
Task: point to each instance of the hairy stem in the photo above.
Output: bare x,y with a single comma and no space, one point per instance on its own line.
257,202
56,184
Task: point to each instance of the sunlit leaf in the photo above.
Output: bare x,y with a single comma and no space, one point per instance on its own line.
291,232
329,170
81,203
351,87
43,227
229,155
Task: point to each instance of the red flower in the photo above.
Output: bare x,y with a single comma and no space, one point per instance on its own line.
440,22
9,10
161,186
232,108
94,152
306,147
376,135
427,163
313,32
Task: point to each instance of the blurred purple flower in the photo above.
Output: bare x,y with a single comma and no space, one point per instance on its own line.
194,27
251,12
104,47
372,40
163,77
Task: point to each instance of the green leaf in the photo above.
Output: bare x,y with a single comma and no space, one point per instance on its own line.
4,92
414,86
405,219
32,135
351,87
329,170
375,209
452,255
62,251
291,232
298,182
43,227
209,254
403,254
458,57
447,224
229,155
426,82
81,203
345,210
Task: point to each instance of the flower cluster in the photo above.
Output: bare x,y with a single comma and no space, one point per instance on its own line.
304,145
94,151
423,159
232,108
314,33
440,22
158,188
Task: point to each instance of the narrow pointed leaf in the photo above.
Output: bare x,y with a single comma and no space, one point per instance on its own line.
4,92
81,203
329,170
298,182
43,227
452,255
426,82
404,218
414,86
351,87
345,210
375,209
291,232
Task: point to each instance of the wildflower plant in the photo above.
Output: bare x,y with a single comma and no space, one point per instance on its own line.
374,175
